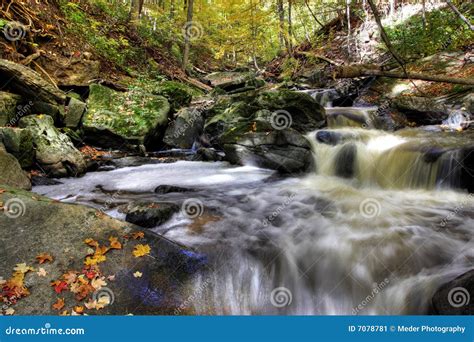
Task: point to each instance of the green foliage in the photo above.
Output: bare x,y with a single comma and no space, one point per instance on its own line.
444,31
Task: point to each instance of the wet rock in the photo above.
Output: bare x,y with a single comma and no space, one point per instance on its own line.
11,173
328,137
54,150
286,151
421,110
8,108
44,225
150,214
45,108
467,170
305,113
186,128
167,189
455,297
345,161
19,142
41,180
131,116
207,154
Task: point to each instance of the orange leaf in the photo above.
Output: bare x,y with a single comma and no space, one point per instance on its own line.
115,243
43,257
138,235
59,304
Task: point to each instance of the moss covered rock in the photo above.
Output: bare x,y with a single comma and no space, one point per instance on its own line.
11,173
8,108
19,142
54,150
178,94
134,115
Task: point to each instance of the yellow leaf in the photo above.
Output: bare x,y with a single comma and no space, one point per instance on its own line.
141,250
22,268
137,274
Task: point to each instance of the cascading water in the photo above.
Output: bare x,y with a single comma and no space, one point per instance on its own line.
376,230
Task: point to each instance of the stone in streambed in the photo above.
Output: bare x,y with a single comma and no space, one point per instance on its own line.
167,189
286,151
178,94
329,138
150,214
47,226
455,297
55,152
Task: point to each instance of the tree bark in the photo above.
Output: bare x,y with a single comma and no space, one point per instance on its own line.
281,17
384,35
354,71
460,15
312,13
290,27
135,12
187,38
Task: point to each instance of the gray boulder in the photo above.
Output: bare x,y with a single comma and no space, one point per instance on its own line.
46,226
19,142
54,150
286,151
150,214
187,126
455,297
421,110
74,112
11,173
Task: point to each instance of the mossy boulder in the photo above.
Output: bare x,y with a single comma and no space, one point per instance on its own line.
135,115
8,108
19,142
54,150
178,94
11,173
232,81
306,114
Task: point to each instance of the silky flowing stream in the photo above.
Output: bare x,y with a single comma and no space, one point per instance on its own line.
376,229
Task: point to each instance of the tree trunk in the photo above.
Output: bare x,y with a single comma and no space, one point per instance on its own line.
384,35
135,12
281,16
312,13
353,71
460,15
290,27
187,38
